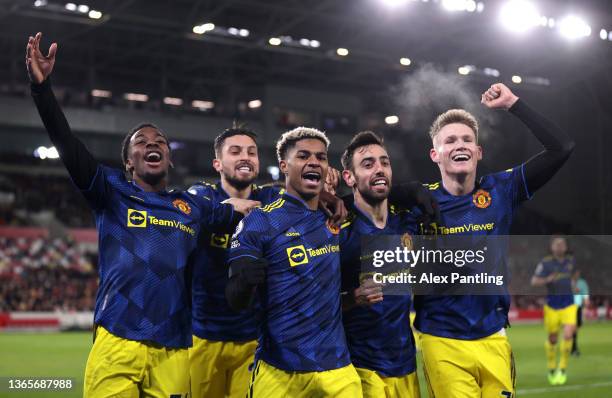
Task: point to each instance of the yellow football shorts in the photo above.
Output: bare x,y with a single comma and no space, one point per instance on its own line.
553,319
468,368
377,386
270,382
117,367
220,368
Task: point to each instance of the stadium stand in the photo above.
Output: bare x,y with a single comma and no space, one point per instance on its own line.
43,274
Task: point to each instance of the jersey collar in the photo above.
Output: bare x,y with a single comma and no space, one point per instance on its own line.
223,192
296,201
368,220
139,188
477,183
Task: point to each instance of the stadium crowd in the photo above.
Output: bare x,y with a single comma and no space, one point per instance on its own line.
46,275
41,274
23,197
26,262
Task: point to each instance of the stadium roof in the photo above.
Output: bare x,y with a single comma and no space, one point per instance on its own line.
150,46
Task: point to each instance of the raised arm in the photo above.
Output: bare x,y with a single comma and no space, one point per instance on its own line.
78,160
557,145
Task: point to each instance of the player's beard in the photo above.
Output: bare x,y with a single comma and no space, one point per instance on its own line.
370,197
238,183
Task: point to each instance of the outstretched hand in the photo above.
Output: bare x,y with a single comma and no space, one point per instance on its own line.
39,66
498,96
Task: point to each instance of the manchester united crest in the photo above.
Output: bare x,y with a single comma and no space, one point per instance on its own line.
481,199
182,206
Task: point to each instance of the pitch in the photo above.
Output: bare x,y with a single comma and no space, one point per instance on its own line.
590,375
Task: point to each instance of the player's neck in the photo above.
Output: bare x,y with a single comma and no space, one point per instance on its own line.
147,187
559,258
378,212
459,184
311,202
235,192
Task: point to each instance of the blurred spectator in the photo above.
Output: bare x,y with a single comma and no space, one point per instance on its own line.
46,275
7,202
24,195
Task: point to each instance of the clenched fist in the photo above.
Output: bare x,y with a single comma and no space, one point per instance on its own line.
498,96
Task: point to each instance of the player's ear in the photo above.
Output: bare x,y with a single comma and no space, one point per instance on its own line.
129,166
282,165
217,165
433,154
349,178
478,152
170,158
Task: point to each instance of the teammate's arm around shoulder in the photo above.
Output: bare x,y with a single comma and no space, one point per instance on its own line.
414,194
333,207
242,206
557,145
220,215
78,160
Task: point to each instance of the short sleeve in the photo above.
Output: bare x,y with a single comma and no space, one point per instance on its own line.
269,194
249,237
513,183
584,288
541,271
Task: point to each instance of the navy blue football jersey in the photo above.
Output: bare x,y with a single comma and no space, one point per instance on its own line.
560,292
301,328
145,243
213,319
488,210
379,336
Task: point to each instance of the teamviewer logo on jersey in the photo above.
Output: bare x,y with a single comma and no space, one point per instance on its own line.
137,218
297,255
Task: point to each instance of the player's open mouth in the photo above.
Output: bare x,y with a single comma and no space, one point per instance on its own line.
153,158
312,178
244,168
461,157
380,182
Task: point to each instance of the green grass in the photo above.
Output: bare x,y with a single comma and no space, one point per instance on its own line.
65,354
592,367
44,355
